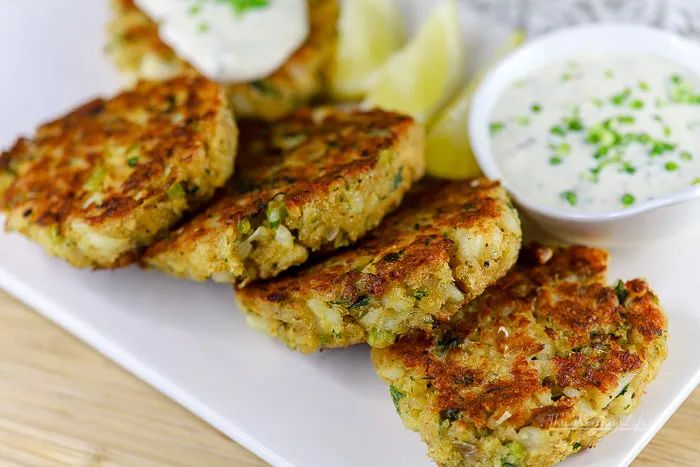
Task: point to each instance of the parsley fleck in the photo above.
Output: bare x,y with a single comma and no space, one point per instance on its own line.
536,108
621,292
637,104
671,166
627,199
176,190
575,124
496,127
242,6
420,294
660,147
557,130
132,161
570,197
555,160
576,446
620,98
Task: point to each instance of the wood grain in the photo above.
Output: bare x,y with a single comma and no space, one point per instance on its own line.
61,403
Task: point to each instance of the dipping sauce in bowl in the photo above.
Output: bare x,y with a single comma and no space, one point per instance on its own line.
599,133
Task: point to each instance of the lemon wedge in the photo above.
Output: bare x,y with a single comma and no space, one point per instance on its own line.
426,72
369,31
448,151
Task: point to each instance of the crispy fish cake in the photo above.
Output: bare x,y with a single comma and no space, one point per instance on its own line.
445,245
136,48
100,183
317,180
540,366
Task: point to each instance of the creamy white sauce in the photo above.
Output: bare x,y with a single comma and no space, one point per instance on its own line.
600,133
227,45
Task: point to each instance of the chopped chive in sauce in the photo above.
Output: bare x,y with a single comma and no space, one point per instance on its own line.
566,77
574,124
570,197
555,160
609,74
696,181
195,9
242,6
620,98
643,85
660,147
625,119
496,127
686,156
523,120
628,168
203,27
627,199
536,108
562,149
557,130
676,79
637,104
671,166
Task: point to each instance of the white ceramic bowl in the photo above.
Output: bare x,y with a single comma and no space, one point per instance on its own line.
647,221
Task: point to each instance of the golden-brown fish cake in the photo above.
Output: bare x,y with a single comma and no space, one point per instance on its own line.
136,48
97,185
540,366
316,180
446,243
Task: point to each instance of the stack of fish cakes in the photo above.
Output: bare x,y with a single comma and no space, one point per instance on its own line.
332,239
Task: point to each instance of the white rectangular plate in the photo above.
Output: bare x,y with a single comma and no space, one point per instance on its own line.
189,341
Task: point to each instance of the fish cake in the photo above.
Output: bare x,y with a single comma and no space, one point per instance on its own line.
136,48
446,243
316,180
539,367
97,185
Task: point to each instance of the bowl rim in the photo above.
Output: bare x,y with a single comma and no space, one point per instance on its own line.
561,44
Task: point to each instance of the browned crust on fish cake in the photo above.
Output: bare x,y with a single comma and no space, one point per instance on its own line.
333,173
294,84
413,258
533,350
123,169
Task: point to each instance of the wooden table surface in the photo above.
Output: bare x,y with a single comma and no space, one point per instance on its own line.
61,403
